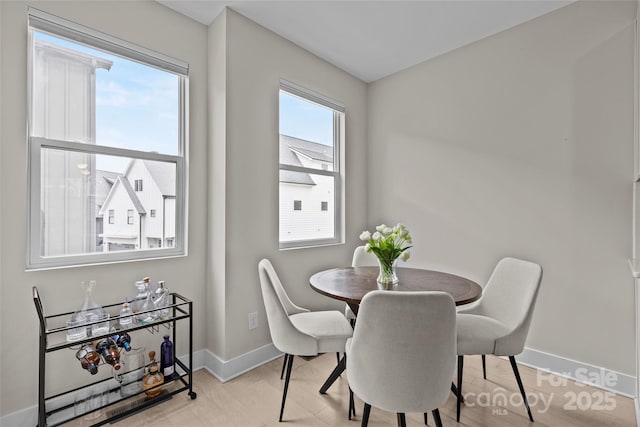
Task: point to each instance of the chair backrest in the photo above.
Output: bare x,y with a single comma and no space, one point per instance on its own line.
362,259
402,355
510,297
286,337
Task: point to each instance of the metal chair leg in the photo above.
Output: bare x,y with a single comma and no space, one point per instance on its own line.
459,400
365,415
436,416
454,390
484,367
426,418
337,357
286,384
284,365
402,421
512,359
352,404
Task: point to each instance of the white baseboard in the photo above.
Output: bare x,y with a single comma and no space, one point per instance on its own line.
232,368
226,370
606,379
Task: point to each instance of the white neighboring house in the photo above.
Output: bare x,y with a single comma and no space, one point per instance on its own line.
139,211
307,208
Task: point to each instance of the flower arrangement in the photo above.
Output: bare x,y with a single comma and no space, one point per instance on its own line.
388,244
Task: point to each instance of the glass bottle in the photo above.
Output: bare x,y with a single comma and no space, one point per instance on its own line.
153,379
141,296
123,340
148,312
162,299
166,358
108,349
89,314
89,358
126,316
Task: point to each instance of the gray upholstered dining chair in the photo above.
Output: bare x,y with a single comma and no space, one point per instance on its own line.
360,259
297,331
402,355
498,323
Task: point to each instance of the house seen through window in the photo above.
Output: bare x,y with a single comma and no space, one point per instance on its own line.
104,120
311,129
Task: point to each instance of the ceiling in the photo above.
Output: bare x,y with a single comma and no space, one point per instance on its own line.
373,39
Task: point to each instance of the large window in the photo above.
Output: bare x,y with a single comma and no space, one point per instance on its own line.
311,132
105,115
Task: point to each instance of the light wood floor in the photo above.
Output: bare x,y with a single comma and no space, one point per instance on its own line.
253,399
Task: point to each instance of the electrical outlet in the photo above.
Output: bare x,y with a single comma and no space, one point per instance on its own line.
253,320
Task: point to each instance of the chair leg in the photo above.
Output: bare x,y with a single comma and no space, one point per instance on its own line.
284,365
426,418
286,384
484,367
365,415
352,404
342,364
402,421
436,416
512,359
459,400
337,357
454,390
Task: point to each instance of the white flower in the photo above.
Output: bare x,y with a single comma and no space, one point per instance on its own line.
387,230
367,248
365,236
376,236
381,227
405,255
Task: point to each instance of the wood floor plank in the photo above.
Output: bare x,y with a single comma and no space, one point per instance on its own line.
253,400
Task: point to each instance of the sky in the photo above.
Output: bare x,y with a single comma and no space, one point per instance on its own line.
137,108
305,120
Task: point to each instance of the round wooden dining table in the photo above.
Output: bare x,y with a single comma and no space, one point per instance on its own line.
351,284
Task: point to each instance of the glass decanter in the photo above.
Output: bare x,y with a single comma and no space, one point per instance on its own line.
90,320
162,299
153,379
141,295
148,312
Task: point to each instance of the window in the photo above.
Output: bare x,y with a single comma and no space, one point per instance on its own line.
104,115
311,135
152,213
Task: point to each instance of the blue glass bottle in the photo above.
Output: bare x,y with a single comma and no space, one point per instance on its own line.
166,358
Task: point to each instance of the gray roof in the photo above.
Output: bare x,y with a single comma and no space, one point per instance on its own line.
132,195
104,182
291,148
293,177
164,175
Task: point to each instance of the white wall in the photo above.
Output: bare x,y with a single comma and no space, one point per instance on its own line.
256,60
521,144
145,23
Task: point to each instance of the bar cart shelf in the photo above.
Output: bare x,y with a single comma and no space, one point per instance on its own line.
57,409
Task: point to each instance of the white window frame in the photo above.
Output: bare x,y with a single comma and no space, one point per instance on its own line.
59,27
338,140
